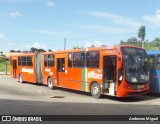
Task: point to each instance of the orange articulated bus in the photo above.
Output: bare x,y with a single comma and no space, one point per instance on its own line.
119,71
26,67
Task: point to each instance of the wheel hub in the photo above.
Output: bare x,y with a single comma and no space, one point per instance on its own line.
95,90
50,84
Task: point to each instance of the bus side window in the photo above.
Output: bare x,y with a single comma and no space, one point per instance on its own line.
152,60
29,61
23,60
19,61
92,59
79,59
45,60
70,58
158,62
51,60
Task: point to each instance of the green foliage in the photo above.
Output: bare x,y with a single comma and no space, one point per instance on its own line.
153,45
2,59
77,47
33,49
3,67
49,50
131,41
12,51
142,32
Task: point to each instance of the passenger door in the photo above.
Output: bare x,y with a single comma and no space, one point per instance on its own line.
110,74
38,65
60,71
14,68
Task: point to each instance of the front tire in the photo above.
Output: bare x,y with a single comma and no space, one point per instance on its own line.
96,90
21,78
50,83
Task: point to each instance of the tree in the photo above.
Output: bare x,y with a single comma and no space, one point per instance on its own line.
154,45
2,59
41,50
142,34
122,42
33,49
132,40
12,51
18,51
77,47
49,50
36,50
25,51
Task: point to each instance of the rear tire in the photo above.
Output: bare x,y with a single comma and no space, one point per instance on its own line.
50,83
96,90
21,78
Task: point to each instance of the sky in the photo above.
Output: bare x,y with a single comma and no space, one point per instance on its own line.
46,23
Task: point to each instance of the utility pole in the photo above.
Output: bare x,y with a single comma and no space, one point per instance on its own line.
142,43
64,43
6,67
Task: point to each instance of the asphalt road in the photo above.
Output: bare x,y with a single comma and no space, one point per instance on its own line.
28,99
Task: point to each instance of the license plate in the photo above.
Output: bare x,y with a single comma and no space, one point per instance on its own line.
140,86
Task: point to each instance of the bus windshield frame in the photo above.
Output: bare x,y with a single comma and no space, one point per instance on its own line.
135,65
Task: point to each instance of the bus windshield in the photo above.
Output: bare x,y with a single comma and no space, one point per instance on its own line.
136,65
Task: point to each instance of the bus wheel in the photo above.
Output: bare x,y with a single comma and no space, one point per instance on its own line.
96,90
50,83
20,78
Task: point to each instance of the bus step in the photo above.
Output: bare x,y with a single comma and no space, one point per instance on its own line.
106,90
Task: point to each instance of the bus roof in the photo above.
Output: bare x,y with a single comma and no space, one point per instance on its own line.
23,54
117,47
153,52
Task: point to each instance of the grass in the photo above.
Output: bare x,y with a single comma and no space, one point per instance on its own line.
3,66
